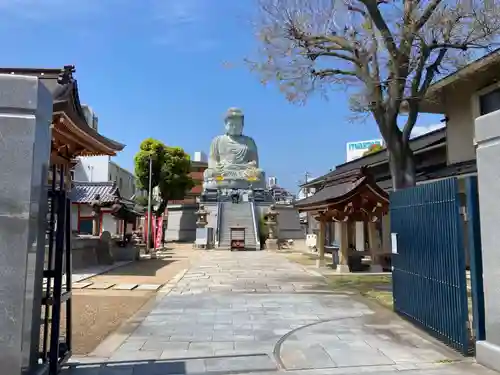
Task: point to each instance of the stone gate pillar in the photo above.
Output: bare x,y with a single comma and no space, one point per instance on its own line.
25,143
488,158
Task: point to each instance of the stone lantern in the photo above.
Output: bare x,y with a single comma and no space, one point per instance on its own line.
272,228
96,215
202,214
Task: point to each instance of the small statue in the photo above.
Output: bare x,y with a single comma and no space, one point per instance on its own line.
233,161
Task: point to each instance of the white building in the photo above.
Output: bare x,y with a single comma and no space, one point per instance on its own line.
200,156
103,169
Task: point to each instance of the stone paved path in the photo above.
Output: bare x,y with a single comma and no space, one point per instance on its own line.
256,312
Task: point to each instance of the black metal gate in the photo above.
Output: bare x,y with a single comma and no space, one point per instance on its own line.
56,300
429,261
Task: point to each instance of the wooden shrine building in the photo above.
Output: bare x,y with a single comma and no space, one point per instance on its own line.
354,188
346,198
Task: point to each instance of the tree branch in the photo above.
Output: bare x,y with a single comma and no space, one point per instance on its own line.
314,55
332,72
426,15
382,26
415,101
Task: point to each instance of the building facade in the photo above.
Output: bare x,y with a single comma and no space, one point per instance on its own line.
198,166
103,169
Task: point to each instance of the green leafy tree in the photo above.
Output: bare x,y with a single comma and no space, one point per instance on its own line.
385,54
373,148
171,168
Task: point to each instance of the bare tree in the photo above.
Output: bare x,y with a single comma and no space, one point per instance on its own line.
385,53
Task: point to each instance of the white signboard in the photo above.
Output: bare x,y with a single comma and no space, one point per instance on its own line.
356,150
394,243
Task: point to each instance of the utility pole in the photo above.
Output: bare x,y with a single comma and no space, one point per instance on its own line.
148,233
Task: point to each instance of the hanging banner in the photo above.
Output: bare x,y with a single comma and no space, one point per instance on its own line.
159,232
145,229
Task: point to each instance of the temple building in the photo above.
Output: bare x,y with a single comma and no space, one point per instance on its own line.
44,128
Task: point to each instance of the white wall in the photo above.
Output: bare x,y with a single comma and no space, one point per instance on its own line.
460,127
102,169
92,169
462,108
109,223
125,180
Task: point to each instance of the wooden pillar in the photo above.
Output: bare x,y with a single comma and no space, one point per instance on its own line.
321,242
359,235
374,241
344,246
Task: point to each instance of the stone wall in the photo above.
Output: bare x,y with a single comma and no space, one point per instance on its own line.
289,227
86,253
181,223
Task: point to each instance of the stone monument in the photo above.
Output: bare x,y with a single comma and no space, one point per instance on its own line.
233,161
272,242
202,214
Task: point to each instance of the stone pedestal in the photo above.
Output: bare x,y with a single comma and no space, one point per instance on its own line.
272,244
25,143
488,157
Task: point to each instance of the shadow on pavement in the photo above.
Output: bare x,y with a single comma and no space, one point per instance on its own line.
221,365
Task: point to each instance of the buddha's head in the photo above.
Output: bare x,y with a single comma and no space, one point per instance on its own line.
233,122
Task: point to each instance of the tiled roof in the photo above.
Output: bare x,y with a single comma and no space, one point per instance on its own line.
85,192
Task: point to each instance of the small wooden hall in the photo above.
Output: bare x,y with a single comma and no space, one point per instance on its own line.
345,199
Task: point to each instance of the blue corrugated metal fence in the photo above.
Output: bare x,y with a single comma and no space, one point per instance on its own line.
429,268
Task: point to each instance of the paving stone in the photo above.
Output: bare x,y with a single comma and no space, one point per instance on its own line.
355,357
100,286
220,309
81,285
149,287
124,286
164,345
240,364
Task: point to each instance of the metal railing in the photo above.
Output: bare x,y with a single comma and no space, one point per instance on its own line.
217,229
254,222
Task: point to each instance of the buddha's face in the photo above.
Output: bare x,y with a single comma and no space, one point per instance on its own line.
234,126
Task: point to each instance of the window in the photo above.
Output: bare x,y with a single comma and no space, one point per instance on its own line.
489,102
72,174
86,225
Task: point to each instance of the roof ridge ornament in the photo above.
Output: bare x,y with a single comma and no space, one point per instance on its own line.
66,75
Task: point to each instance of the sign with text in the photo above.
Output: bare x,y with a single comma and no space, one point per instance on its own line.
356,150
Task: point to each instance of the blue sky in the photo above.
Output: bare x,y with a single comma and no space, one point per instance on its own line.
169,69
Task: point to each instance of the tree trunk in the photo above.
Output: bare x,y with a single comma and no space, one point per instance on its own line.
402,166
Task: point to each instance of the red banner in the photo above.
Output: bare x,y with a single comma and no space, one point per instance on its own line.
159,232
151,229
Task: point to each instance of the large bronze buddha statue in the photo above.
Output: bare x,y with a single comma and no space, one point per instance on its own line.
233,161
